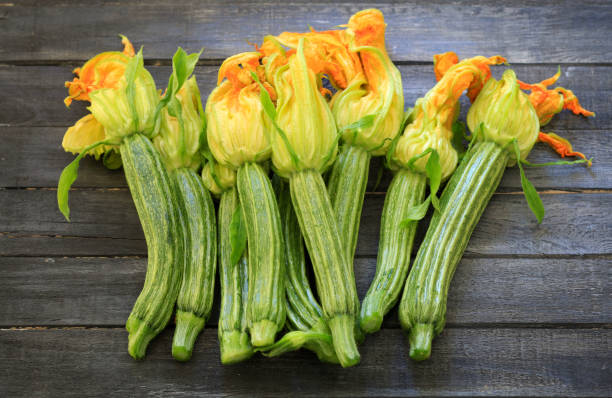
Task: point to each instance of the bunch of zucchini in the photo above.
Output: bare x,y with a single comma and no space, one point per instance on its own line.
271,110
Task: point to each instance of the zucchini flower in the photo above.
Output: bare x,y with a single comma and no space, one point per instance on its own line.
85,132
502,113
435,113
218,179
128,107
309,140
549,102
238,130
178,141
378,94
102,71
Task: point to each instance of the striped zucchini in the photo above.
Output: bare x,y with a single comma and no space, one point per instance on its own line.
333,273
346,187
234,339
422,309
266,304
406,190
200,239
158,209
304,314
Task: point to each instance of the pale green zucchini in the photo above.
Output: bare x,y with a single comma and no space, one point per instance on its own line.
333,273
266,304
407,189
157,204
200,238
422,309
234,340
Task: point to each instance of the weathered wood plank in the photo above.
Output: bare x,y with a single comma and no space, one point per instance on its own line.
101,291
525,31
575,224
33,95
492,362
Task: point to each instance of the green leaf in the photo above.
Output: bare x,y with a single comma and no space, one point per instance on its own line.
531,195
270,111
69,176
557,163
130,90
434,173
416,213
238,236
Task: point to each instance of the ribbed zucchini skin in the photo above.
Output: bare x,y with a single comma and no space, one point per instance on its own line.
234,340
407,189
200,238
304,313
157,204
334,275
346,187
266,302
423,306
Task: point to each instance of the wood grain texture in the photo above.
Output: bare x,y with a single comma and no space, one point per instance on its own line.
504,291
492,362
525,31
575,224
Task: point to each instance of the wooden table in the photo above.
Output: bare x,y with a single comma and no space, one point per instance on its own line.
529,311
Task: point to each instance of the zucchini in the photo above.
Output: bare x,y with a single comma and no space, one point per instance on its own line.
200,238
304,313
334,276
234,341
157,203
346,187
422,309
266,306
407,190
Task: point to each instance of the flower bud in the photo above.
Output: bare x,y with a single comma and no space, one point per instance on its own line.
238,129
505,113
218,178
379,93
305,119
180,148
122,113
421,135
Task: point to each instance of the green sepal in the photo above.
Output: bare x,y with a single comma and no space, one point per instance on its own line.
531,195
69,176
238,236
416,213
112,159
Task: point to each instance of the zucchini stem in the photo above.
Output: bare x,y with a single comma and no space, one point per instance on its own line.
188,327
420,337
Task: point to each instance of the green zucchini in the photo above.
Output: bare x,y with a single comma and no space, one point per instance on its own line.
346,187
304,314
407,189
234,340
157,204
333,273
200,236
422,309
266,304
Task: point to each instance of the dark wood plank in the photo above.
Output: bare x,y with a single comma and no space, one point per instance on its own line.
33,95
575,224
101,291
492,362
524,31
